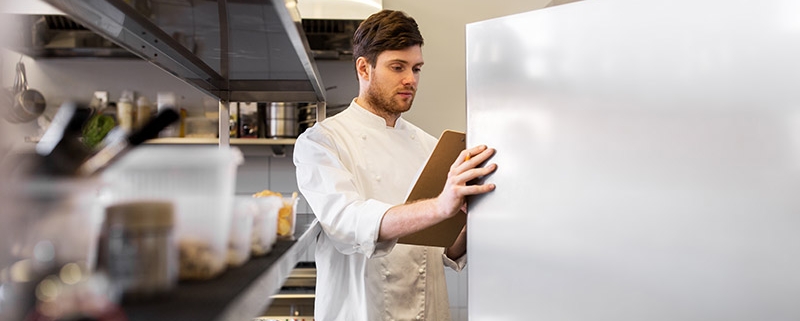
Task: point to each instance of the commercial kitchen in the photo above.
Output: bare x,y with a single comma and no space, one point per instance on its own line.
649,151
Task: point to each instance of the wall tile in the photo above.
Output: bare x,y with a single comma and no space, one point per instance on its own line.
253,175
463,315
455,314
452,286
282,177
462,287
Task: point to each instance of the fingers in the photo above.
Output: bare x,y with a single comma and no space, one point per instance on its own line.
465,169
473,157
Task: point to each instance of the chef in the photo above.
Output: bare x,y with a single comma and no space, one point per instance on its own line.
355,170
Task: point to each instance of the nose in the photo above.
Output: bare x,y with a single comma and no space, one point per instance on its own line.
410,79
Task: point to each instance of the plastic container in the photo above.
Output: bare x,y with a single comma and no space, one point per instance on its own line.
201,127
200,182
239,246
287,217
265,224
137,248
66,213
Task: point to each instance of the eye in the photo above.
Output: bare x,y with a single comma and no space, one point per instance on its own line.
396,67
417,70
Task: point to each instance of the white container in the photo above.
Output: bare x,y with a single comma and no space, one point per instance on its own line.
287,218
64,212
200,181
265,224
244,210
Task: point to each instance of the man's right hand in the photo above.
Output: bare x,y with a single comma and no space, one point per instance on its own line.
404,219
465,169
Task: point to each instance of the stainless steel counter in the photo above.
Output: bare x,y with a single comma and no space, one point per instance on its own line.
239,294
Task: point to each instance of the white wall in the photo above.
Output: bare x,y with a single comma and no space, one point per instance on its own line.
440,103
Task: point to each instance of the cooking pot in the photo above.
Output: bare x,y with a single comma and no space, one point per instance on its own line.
282,120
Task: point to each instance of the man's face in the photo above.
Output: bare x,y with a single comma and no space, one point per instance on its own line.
393,81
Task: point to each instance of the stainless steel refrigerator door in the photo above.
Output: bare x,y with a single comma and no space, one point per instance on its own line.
648,159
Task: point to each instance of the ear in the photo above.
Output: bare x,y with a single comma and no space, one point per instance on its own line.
363,68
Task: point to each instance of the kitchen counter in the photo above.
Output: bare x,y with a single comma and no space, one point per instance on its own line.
239,294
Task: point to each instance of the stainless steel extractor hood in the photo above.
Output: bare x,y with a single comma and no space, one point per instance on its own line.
235,50
331,38
58,36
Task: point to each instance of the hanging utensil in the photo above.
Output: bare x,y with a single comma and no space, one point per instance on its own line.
28,104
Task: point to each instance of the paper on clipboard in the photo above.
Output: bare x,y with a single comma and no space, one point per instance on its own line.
430,183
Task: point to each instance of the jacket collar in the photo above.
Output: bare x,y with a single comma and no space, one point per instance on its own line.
367,117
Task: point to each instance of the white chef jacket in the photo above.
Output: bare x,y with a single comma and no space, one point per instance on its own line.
352,168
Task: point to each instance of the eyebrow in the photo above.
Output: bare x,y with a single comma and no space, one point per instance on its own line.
404,62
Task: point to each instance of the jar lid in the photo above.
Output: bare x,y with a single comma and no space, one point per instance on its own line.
141,215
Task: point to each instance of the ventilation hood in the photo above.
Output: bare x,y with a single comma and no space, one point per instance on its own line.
338,9
58,36
235,50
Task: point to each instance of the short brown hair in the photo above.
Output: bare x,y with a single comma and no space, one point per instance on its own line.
385,30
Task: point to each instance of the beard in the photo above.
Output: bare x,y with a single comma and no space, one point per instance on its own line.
386,102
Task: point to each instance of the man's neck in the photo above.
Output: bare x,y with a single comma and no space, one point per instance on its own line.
390,118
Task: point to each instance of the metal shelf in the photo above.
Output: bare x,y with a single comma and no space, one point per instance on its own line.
215,141
232,50
240,293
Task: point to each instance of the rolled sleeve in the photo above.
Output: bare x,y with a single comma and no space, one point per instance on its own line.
369,229
351,222
457,265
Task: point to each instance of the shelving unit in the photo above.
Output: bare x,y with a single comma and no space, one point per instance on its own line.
239,294
234,51
215,141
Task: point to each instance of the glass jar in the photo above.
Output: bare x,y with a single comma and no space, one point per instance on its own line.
137,248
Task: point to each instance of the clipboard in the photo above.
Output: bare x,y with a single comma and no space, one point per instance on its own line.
430,183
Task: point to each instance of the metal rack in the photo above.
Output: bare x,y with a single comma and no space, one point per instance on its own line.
241,293
233,50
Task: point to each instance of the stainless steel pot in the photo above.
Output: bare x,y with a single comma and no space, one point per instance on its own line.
306,117
282,120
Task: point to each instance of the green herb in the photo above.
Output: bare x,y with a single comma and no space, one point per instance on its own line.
96,129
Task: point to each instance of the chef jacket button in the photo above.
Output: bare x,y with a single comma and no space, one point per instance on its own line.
413,136
419,317
378,178
421,270
364,137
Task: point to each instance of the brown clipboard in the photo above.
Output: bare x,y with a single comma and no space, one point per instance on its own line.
430,183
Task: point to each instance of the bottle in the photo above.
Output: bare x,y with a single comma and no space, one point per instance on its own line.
167,100
143,111
233,118
126,114
182,124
